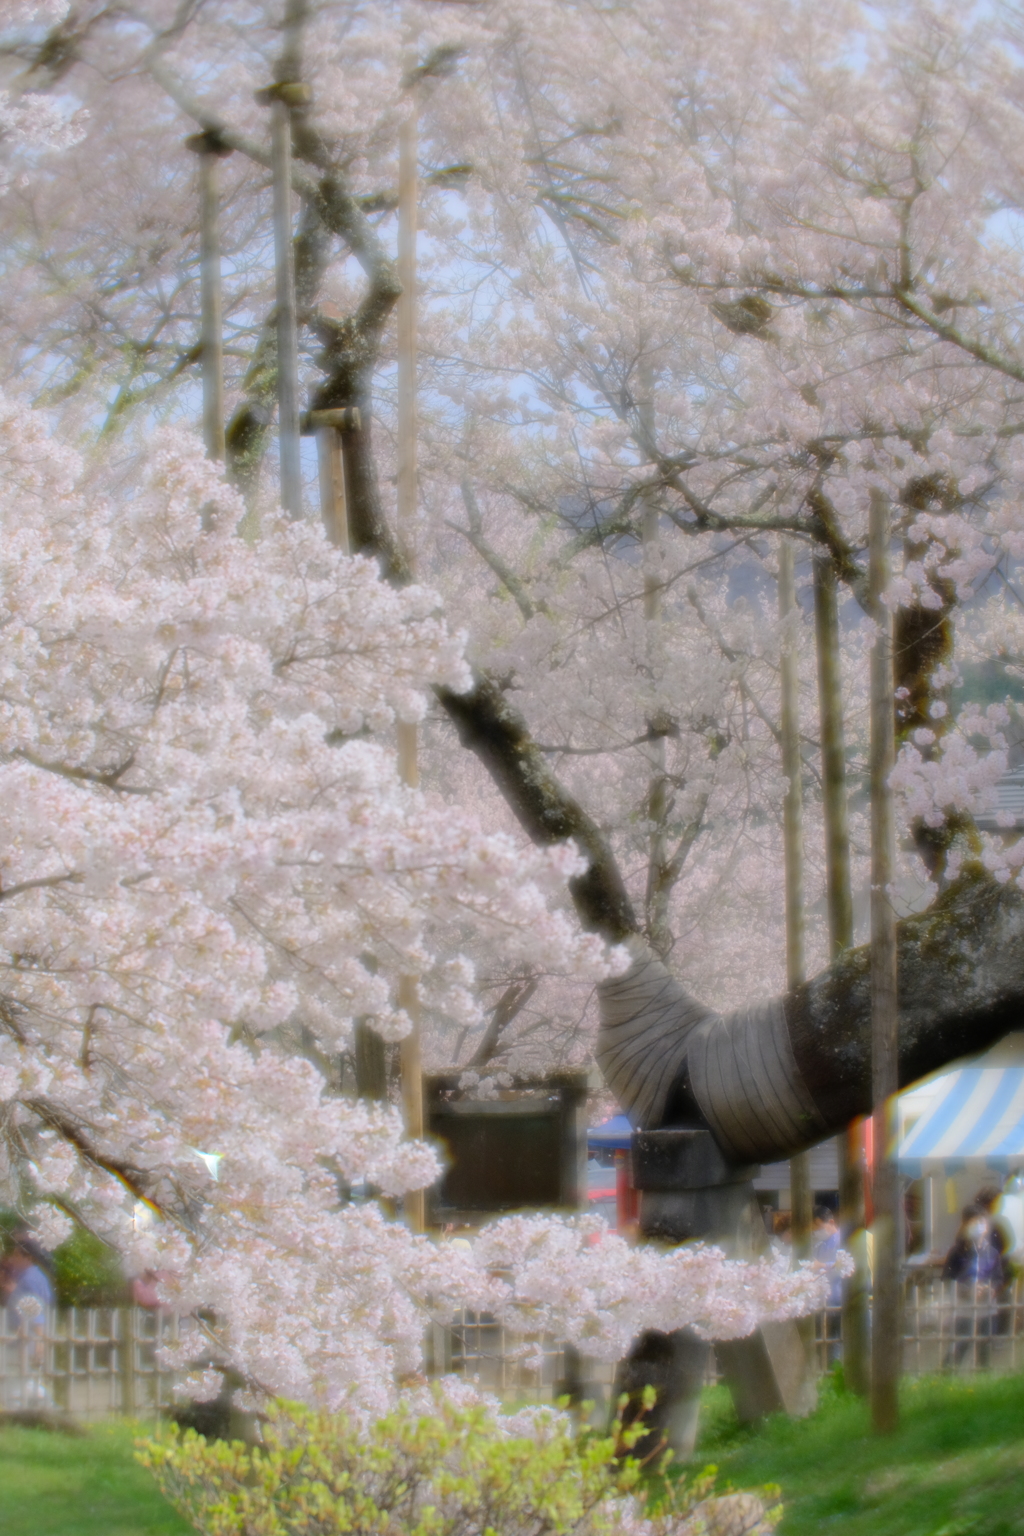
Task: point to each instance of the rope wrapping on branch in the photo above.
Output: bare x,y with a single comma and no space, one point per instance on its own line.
646,1024
746,1080
740,1066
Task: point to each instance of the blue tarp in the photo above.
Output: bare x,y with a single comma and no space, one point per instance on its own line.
613,1135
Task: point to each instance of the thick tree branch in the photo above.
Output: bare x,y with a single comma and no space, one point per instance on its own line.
774,1078
495,731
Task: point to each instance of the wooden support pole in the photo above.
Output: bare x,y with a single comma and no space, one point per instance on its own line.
850,1145
406,321
281,99
210,148
408,767
659,879
369,1056
833,756
329,426
793,847
885,1331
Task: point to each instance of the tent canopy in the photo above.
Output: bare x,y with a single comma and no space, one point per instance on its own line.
977,1117
612,1136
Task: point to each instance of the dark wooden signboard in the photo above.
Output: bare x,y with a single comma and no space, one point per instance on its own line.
525,1150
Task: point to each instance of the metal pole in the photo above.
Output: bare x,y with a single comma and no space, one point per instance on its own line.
210,148
408,767
885,1331
850,1145
281,99
793,845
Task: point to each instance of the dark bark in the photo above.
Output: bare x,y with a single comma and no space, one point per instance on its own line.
777,1077
924,643
492,728
347,358
961,988
833,755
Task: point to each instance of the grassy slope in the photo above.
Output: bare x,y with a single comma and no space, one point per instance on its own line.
954,1468
55,1485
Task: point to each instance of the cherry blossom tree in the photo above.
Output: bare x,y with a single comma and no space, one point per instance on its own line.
690,281
199,848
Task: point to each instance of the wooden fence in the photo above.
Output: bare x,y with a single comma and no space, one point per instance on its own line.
946,1327
91,1363
88,1363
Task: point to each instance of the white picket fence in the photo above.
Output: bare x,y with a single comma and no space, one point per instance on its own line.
87,1362
96,1362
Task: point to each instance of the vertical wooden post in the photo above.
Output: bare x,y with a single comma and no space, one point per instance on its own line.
333,505
856,1362
281,99
209,147
331,464
126,1319
406,319
408,767
885,1332
658,889
213,314
793,846
833,756
368,1053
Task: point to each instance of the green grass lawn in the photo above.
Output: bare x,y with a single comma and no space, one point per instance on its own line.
954,1468
58,1485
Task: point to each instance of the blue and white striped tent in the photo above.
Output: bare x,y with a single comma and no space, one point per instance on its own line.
975,1118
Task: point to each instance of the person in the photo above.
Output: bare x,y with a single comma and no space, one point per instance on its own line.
975,1264
988,1198
824,1250
1001,1236
782,1228
25,1293
826,1234
24,1277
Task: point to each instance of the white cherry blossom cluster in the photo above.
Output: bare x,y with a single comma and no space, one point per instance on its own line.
210,865
961,774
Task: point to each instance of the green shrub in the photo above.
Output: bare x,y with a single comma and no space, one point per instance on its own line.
452,1471
87,1272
